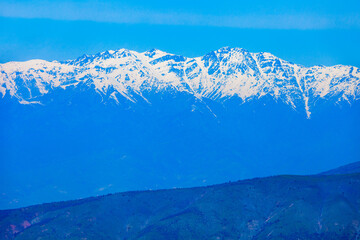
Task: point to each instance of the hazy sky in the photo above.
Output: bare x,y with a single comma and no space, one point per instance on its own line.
306,32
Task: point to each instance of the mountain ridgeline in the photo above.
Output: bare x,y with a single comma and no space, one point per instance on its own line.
219,75
280,207
123,120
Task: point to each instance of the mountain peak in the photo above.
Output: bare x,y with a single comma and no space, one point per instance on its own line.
228,50
154,53
231,49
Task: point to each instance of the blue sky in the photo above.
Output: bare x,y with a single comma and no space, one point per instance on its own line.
305,32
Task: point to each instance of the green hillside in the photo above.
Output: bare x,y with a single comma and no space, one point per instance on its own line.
281,207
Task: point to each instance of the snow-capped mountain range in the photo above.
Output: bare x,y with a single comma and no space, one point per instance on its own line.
219,75
123,121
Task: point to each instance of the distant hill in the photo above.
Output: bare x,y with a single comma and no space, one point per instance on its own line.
280,207
347,169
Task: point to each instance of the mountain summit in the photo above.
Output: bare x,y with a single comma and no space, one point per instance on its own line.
219,75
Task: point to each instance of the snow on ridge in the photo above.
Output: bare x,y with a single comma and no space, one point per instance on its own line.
218,75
